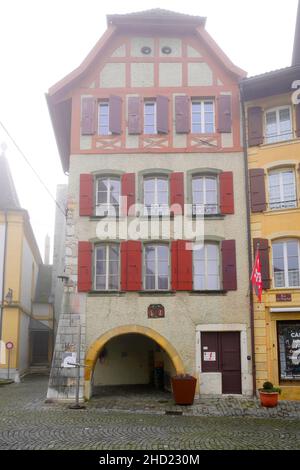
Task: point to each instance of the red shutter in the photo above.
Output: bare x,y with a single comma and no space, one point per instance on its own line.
88,116
131,266
226,193
257,190
162,114
86,195
177,192
134,115
224,114
229,265
128,190
264,259
298,120
182,113
85,250
182,271
255,126
115,114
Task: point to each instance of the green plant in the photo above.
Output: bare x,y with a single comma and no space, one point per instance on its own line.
268,387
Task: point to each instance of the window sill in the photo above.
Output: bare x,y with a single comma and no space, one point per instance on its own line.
108,293
109,217
208,216
208,292
156,293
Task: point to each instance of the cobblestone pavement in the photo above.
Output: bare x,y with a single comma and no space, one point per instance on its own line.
27,422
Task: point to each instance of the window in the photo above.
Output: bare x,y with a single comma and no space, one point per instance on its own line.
206,267
289,350
150,117
282,189
156,267
203,119
278,125
156,195
286,260
205,195
108,195
107,267
103,119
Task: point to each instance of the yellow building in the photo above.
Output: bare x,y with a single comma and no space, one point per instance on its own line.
20,261
273,136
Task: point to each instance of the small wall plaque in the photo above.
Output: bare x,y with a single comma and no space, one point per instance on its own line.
283,297
156,311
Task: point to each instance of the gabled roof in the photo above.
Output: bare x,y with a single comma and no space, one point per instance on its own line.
296,51
155,15
8,194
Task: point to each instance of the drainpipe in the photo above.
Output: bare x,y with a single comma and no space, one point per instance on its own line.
4,268
248,237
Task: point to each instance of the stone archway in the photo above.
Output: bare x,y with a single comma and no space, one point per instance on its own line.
99,343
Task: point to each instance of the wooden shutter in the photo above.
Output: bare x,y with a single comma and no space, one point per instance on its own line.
128,191
182,114
298,120
115,114
88,116
229,265
226,193
182,271
134,115
257,190
162,114
264,259
224,114
86,195
85,250
177,192
255,126
131,266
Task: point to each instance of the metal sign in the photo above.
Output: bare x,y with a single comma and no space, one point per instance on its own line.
69,359
283,297
156,311
9,345
209,356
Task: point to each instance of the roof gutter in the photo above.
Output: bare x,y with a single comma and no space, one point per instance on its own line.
247,189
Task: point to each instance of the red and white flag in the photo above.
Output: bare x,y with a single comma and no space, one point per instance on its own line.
256,277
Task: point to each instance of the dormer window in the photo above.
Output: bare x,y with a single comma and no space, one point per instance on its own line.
278,125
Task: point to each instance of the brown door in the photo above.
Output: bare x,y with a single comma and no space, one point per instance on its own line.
231,362
221,353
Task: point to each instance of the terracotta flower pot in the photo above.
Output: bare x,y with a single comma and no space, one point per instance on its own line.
184,389
270,400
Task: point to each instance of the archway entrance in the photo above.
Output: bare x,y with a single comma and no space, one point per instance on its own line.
131,357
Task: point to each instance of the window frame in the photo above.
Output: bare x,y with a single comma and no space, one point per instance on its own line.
285,263
102,104
204,176
156,245
202,123
280,171
153,102
108,192
206,289
156,177
278,136
107,262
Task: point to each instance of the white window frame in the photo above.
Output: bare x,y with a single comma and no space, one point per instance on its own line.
285,264
206,244
198,209
107,207
103,104
107,260
152,102
202,114
156,208
282,204
156,245
278,137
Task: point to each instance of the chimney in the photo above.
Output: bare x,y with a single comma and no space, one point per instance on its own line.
47,250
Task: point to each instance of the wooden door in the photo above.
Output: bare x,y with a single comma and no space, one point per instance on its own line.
230,362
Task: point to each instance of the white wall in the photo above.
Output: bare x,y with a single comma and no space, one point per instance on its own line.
27,261
2,243
24,343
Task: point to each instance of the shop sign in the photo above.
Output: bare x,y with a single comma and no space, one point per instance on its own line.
209,356
289,350
283,297
156,311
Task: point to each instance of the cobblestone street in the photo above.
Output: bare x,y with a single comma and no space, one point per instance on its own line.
27,422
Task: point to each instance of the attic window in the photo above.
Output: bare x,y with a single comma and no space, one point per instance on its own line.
166,50
146,50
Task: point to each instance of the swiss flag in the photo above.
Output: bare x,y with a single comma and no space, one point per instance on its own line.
256,277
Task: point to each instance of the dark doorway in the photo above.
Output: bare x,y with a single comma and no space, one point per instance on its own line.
221,353
39,347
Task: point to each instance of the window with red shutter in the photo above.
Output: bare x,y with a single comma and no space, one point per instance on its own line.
182,266
257,190
86,195
128,191
85,250
226,193
88,116
263,245
177,193
182,114
131,265
229,265
224,114
134,115
115,114
255,126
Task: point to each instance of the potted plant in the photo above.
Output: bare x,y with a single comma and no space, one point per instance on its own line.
269,395
184,386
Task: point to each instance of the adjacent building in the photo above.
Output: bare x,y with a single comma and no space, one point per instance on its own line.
148,128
